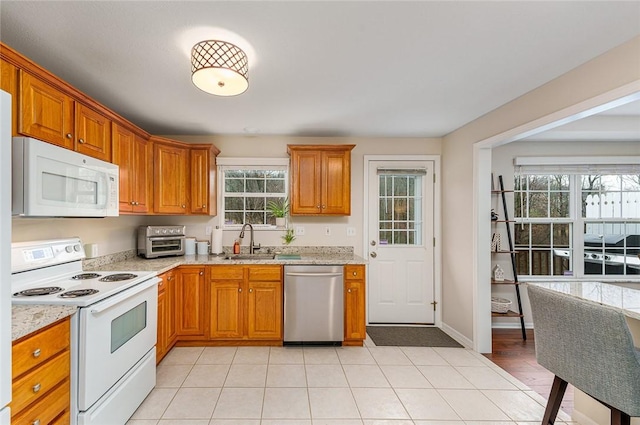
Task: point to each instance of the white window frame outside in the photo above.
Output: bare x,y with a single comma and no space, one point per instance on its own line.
574,166
236,163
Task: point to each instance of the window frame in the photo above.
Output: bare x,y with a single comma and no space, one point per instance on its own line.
236,163
575,168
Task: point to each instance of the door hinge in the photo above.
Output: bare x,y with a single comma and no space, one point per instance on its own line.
434,241
434,178
434,305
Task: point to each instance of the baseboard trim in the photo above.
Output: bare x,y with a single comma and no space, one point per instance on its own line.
514,325
461,339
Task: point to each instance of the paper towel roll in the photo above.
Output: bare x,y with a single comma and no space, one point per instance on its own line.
216,241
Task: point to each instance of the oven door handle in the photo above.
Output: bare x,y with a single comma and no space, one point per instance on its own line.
166,238
128,293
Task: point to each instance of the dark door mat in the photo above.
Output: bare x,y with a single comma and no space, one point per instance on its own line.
406,336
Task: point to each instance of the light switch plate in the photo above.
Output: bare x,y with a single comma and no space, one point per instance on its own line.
351,231
299,231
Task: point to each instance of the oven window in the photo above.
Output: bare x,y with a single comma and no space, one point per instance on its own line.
126,326
69,189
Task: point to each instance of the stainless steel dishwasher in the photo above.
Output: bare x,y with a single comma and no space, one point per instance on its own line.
313,305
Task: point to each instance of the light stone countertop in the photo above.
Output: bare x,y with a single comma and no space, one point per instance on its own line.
622,295
26,319
163,264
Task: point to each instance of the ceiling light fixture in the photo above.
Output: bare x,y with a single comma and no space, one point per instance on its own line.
219,68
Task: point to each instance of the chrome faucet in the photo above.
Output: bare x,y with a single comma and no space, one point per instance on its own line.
251,246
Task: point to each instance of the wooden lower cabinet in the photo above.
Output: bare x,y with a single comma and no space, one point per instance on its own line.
246,303
41,376
191,302
355,330
166,315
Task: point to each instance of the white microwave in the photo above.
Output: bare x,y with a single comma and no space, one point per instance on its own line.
51,181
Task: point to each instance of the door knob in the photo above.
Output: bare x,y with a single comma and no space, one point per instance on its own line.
373,243
373,255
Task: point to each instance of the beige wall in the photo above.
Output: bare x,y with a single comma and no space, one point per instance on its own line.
117,234
607,72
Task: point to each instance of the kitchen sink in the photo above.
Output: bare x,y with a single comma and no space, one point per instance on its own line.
250,257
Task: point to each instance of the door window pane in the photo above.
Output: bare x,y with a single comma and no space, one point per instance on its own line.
400,209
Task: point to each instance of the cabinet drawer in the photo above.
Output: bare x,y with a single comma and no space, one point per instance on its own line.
265,273
45,410
354,272
35,384
227,273
35,350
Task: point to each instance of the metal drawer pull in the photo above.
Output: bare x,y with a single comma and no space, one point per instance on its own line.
36,353
36,387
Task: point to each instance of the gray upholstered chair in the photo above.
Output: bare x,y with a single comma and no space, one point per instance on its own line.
589,346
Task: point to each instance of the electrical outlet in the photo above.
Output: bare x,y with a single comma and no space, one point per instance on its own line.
351,231
327,231
299,231
207,230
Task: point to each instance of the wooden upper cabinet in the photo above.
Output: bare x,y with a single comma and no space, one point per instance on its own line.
45,112
9,83
203,172
133,154
320,179
93,133
170,177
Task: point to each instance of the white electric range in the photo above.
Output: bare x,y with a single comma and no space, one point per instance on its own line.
113,334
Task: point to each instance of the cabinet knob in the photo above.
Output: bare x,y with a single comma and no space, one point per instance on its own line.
318,206
201,273
36,422
36,353
204,206
239,289
324,206
250,290
170,278
68,135
80,140
349,290
355,273
184,206
36,387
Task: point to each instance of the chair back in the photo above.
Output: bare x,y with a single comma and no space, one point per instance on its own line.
588,345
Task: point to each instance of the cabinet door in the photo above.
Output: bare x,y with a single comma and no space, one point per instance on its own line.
170,179
305,182
9,83
200,176
226,309
45,113
123,140
336,183
264,310
191,301
93,133
142,169
354,304
161,341
170,296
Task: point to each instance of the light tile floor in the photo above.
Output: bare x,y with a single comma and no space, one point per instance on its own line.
336,386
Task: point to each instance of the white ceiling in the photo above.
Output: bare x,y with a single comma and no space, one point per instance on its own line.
359,68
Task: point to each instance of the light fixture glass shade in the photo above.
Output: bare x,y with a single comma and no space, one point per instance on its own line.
219,68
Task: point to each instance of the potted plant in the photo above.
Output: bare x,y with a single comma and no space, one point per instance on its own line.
279,208
288,236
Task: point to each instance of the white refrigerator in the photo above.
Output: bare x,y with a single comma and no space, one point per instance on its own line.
5,257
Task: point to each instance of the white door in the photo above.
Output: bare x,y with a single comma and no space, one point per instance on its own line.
400,243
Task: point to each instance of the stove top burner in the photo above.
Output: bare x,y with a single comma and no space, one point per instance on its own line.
78,293
38,291
118,277
83,276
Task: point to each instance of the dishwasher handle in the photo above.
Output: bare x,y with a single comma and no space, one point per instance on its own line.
312,274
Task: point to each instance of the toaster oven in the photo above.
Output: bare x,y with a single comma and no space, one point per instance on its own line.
160,241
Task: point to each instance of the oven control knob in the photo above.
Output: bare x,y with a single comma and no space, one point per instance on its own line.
68,248
76,247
